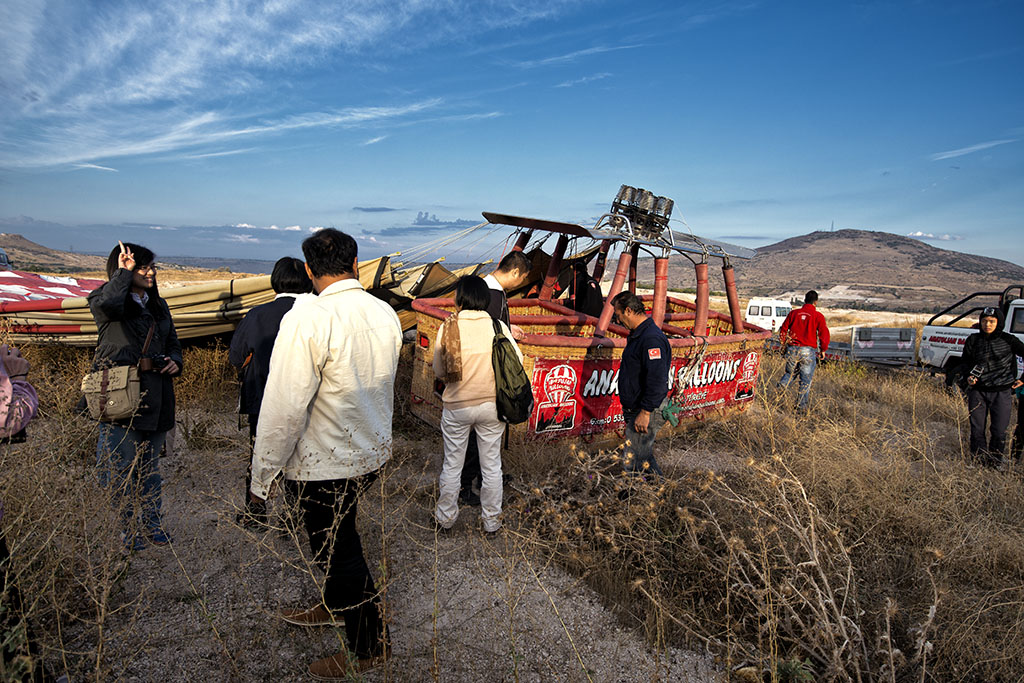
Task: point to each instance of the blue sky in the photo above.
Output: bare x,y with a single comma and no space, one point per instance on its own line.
231,128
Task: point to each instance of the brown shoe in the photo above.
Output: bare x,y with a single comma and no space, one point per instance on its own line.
341,666
314,616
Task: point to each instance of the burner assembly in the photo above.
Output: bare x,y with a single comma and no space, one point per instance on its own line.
639,213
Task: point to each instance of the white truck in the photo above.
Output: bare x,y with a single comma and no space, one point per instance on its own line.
768,314
942,345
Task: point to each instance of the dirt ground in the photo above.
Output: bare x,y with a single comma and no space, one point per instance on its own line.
462,606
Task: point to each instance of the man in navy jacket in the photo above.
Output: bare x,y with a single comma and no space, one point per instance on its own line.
643,382
250,350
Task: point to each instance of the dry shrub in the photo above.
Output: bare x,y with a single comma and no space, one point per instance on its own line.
858,540
62,529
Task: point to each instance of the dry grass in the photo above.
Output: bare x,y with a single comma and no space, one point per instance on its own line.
857,541
854,544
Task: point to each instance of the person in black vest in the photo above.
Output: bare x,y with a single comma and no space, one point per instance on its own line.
250,350
643,383
513,270
135,328
989,360
586,291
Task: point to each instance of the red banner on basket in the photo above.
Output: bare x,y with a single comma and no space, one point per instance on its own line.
581,397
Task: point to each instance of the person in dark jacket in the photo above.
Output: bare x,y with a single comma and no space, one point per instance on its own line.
643,382
586,291
250,350
128,309
989,359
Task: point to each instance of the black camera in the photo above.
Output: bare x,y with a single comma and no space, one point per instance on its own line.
154,364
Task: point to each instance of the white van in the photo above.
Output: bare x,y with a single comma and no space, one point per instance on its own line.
767,313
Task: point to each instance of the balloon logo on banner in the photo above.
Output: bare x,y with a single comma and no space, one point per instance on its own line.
750,364
560,383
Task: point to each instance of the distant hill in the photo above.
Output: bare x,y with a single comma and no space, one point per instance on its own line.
858,269
28,255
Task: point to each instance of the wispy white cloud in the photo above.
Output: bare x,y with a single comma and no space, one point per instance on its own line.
244,239
243,225
82,83
96,167
970,150
946,237
573,56
289,228
374,141
80,142
584,79
228,153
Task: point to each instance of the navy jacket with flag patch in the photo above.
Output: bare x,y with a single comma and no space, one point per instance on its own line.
643,373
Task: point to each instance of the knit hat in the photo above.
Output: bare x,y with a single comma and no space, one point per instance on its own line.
993,312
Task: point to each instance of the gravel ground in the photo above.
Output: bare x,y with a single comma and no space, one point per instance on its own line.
461,606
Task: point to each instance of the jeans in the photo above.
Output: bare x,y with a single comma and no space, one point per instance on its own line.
638,447
457,427
329,515
128,462
982,405
802,360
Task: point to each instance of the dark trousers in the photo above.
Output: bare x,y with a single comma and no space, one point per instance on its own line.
1018,434
471,466
329,515
983,407
256,508
638,447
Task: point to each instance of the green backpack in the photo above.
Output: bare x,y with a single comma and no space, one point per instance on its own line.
513,393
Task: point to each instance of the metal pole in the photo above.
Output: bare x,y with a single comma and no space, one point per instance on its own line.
602,256
621,272
554,267
700,322
521,241
660,290
634,257
734,299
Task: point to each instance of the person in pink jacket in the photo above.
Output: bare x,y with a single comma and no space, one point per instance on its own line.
18,404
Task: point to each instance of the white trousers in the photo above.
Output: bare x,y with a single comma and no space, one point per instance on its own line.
456,427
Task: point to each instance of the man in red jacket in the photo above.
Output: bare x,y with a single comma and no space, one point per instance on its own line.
801,335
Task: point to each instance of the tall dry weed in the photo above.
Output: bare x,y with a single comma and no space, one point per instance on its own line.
858,539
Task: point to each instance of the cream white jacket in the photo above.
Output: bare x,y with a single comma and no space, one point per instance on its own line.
476,334
328,404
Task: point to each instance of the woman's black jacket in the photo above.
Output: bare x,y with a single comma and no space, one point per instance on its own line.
123,325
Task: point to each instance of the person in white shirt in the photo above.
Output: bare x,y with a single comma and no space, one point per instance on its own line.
325,422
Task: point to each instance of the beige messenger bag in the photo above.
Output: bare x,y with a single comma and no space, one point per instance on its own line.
114,393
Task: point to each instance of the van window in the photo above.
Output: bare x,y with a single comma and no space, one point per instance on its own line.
1017,325
781,312
753,310
766,310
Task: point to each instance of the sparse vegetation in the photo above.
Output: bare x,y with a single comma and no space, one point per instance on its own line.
856,544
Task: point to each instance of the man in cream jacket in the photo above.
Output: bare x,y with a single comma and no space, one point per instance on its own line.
325,422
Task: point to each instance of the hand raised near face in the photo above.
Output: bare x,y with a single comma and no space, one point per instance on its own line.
125,259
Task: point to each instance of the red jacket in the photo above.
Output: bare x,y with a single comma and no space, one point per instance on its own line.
804,326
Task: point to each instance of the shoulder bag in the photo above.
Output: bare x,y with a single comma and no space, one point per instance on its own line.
513,393
114,393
